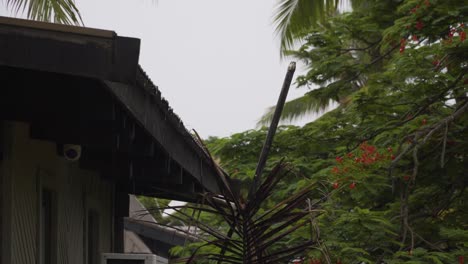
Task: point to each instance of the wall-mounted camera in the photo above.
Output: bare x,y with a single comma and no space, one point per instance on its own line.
71,152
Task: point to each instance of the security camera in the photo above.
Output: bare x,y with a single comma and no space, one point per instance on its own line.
71,152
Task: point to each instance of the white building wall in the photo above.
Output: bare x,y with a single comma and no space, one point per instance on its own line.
27,167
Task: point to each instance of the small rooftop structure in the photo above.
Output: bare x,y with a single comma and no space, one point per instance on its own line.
144,235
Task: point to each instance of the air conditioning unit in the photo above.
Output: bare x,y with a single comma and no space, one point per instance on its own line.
119,258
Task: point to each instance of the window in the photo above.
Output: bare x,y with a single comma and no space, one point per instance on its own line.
48,237
93,237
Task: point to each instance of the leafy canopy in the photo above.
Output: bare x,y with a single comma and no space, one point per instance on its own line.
394,151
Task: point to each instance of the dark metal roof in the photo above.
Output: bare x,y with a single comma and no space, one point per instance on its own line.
95,59
85,31
154,231
69,50
140,220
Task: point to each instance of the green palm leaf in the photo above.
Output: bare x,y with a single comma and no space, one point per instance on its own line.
57,11
315,101
294,17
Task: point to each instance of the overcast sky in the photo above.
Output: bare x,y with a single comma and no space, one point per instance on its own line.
216,61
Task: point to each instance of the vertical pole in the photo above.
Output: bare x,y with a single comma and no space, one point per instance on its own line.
272,130
121,207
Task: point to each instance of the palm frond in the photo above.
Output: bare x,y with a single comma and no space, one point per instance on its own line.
254,227
293,17
56,11
315,101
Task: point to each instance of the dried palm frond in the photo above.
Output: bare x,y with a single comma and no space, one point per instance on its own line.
256,232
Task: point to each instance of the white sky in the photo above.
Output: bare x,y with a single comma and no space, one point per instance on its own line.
216,61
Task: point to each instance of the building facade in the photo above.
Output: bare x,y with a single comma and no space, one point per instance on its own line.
52,210
82,127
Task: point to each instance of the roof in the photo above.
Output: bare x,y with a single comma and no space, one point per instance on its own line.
143,232
127,129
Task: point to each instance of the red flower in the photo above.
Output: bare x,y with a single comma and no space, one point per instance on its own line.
352,185
450,34
402,45
350,155
389,149
436,63
415,38
370,149
419,25
406,177
392,157
339,159
461,259
462,36
335,170
413,10
335,185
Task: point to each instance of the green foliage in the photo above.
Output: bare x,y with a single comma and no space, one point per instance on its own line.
397,69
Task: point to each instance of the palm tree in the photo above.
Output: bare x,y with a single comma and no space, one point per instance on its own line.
295,20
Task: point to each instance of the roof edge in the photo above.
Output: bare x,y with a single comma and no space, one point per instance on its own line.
18,22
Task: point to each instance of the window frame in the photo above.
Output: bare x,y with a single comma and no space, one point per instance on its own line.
47,232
